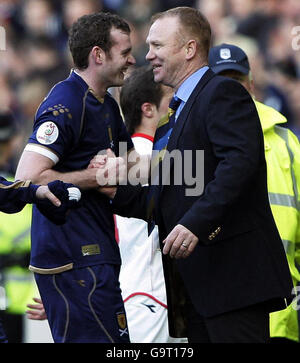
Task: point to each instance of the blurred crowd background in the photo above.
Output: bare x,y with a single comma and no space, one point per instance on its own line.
36,55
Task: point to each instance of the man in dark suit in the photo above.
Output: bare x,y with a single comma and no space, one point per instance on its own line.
224,264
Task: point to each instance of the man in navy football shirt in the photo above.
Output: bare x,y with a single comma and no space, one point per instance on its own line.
77,264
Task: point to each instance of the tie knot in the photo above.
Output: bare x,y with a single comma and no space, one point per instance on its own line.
174,104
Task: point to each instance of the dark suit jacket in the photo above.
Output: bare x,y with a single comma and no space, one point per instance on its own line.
239,260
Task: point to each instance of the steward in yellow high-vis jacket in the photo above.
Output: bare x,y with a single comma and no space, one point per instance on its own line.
282,153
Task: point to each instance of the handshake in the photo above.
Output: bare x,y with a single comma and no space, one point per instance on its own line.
111,171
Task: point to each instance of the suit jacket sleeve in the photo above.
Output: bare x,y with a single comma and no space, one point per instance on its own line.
15,195
234,131
131,201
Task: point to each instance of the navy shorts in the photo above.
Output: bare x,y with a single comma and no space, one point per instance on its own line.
85,305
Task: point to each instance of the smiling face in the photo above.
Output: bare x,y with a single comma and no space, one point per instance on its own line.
167,52
118,59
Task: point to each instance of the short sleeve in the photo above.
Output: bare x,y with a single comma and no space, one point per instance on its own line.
57,123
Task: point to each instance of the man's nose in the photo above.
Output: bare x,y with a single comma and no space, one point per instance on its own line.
131,60
149,55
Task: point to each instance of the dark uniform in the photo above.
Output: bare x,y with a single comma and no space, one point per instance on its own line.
15,195
77,264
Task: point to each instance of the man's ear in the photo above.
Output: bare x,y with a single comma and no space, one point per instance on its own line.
190,49
97,54
252,87
148,109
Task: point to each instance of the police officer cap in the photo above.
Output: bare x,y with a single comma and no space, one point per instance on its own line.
228,57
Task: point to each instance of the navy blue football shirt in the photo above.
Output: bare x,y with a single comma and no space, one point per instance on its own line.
71,126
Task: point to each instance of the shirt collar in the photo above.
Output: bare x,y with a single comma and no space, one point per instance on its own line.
74,75
188,86
78,78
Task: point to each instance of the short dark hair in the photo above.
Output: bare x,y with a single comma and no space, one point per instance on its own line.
194,23
93,30
137,89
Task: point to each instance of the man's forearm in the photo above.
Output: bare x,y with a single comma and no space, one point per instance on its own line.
84,179
39,169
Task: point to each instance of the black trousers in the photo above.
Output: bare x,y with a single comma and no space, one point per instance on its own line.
247,325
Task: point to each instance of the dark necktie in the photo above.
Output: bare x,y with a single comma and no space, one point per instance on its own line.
161,138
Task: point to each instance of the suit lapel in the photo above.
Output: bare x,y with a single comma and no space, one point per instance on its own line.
173,141
172,144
